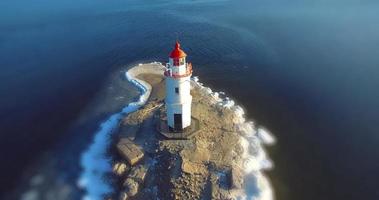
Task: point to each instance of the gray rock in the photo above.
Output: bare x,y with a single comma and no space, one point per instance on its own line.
120,168
131,186
236,178
138,173
123,196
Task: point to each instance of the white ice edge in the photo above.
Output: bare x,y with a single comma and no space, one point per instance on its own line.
95,165
265,136
93,161
254,159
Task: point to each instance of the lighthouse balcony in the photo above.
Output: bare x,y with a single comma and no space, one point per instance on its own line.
188,72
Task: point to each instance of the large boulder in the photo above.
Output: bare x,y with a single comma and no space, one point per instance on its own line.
129,150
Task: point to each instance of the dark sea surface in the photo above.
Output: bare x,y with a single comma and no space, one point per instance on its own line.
307,70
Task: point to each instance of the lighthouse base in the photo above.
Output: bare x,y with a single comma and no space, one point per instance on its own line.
178,134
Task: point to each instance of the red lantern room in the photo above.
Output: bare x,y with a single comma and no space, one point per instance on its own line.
177,66
178,55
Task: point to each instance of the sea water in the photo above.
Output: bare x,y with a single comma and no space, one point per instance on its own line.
306,70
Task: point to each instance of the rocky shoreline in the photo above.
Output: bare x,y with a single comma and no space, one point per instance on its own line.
209,165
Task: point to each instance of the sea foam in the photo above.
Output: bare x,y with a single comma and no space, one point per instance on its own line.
254,159
93,161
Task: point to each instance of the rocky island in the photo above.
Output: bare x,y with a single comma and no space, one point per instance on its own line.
210,164
180,140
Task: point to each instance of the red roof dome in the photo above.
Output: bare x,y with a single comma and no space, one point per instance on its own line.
177,52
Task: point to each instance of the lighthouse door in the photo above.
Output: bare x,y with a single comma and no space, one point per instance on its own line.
178,121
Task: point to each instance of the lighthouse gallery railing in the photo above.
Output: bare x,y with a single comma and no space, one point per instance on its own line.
188,72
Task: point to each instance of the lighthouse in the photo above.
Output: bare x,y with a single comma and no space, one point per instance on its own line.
178,97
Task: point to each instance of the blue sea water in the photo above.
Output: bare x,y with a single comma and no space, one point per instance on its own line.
307,71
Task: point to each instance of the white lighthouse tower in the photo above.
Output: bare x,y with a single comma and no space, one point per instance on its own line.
178,97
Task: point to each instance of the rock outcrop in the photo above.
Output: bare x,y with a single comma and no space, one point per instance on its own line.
201,167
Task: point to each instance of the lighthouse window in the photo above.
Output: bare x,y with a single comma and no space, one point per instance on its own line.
182,61
177,90
176,62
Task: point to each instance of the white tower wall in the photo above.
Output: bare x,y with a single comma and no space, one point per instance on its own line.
178,100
